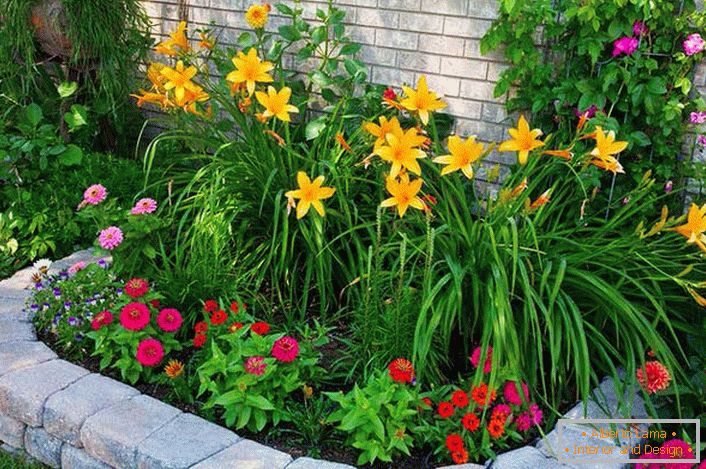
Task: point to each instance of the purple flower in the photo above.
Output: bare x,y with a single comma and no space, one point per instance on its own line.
34,308
693,44
668,187
639,28
57,293
626,200
73,321
46,306
625,45
67,305
701,139
63,275
589,111
697,117
102,263
38,286
118,291
57,318
78,337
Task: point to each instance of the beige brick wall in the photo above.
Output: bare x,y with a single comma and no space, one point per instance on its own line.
402,39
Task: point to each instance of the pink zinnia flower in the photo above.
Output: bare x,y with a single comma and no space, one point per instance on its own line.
285,349
701,140
536,414
475,358
134,316
639,28
255,365
110,238
169,319
523,422
697,117
512,394
136,287
143,206
150,352
80,265
655,377
693,44
681,450
101,319
95,194
625,45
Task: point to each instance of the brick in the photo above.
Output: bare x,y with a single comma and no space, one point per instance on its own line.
360,3
495,69
67,410
440,45
379,18
249,454
309,463
396,39
183,442
377,55
12,431
461,67
224,4
483,130
479,90
113,434
466,27
418,61
42,446
391,76
401,4
487,9
449,7
12,309
75,458
493,113
361,34
463,108
446,86
421,22
16,355
23,392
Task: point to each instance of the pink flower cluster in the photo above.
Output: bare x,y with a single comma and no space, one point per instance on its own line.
110,238
95,194
693,44
625,45
144,206
697,117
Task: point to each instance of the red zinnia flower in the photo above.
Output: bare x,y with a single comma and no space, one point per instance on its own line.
136,287
459,457
218,317
236,326
134,316
234,307
389,93
260,328
210,306
201,327
470,422
445,409
285,349
427,402
199,340
481,395
496,428
459,399
150,352
454,442
155,304
401,370
101,319
657,377
169,319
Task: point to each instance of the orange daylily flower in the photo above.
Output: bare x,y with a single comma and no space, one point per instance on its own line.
462,155
519,189
391,126
276,103
541,200
280,141
310,194
177,40
179,79
342,141
404,194
421,100
523,140
695,227
564,154
402,152
151,98
207,42
249,69
605,151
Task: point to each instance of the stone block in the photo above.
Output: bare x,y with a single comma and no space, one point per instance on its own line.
16,331
13,309
23,392
16,286
113,434
75,458
16,355
12,431
309,463
43,447
525,457
185,441
67,410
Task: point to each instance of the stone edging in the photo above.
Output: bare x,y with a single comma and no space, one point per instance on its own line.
65,416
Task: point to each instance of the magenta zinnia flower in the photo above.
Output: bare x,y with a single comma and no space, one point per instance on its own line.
536,414
697,117
693,44
143,206
678,449
512,394
523,422
169,319
136,287
95,194
150,352
135,316
255,365
285,349
110,238
475,358
625,45
639,28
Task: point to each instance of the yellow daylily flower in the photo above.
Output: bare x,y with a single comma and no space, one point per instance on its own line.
179,79
463,155
152,98
276,103
695,227
256,15
310,194
523,140
249,69
154,75
541,200
402,152
605,151
391,126
421,100
192,97
404,194
176,39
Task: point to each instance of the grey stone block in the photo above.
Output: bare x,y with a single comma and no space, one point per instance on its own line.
114,434
525,457
12,431
463,466
630,406
13,310
16,286
252,455
16,355
309,463
65,411
85,255
43,447
15,331
572,438
23,392
75,458
183,442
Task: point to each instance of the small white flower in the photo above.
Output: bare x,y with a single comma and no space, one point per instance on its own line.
42,265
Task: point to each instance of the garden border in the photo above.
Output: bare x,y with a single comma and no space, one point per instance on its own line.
65,416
